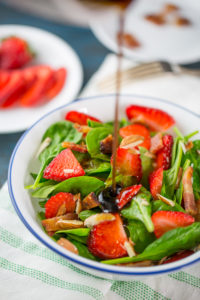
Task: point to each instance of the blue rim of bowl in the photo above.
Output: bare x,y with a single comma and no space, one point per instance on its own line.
25,222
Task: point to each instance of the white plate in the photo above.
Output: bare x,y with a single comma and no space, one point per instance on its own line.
50,50
167,42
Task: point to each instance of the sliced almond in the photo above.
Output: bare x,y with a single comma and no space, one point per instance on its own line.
129,248
98,218
67,245
145,202
131,141
166,200
77,199
70,224
79,148
43,146
62,210
52,223
156,143
90,201
144,263
188,194
150,155
82,128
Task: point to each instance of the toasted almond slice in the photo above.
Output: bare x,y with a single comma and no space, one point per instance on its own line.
198,152
79,148
52,223
98,218
144,263
62,210
82,128
43,146
166,200
145,202
188,194
189,145
67,245
129,248
70,224
131,141
150,155
90,201
197,217
77,199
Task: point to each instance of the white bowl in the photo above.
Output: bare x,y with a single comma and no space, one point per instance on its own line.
19,169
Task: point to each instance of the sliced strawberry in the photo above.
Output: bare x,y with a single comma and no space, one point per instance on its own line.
155,182
156,119
53,204
14,84
63,166
4,78
137,129
167,220
106,240
156,143
163,158
80,118
178,256
34,95
127,194
59,80
14,53
128,163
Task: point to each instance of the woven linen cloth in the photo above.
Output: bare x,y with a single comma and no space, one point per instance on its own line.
29,270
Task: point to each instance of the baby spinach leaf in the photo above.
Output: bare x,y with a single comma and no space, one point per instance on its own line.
140,209
83,250
86,214
76,231
82,184
173,241
81,239
160,205
139,235
96,166
41,215
170,176
93,139
147,167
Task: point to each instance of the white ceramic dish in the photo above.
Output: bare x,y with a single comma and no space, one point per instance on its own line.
50,50
20,167
168,42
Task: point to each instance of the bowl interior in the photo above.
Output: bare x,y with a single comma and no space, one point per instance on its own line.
22,162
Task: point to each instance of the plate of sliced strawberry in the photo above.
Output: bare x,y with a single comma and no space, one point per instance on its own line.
38,72
149,219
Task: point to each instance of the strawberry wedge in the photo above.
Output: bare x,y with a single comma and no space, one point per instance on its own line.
155,182
79,118
155,119
137,129
127,194
63,166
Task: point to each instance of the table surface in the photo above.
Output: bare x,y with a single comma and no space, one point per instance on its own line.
90,51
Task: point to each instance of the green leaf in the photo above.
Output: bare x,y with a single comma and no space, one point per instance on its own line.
139,235
82,184
147,167
83,250
170,176
86,214
41,215
93,139
140,209
160,205
173,241
77,231
96,166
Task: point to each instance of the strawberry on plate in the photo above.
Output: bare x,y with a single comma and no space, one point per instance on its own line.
63,166
155,119
14,53
53,204
127,194
163,157
178,256
59,79
167,220
155,182
128,163
4,78
106,240
137,129
80,118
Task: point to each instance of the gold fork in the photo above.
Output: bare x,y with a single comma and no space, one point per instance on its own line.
143,71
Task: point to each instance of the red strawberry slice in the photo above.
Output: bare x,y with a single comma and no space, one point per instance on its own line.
54,203
127,194
137,129
178,256
59,80
163,158
106,240
63,166
14,53
156,143
80,118
128,163
167,220
4,78
155,182
35,94
156,119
